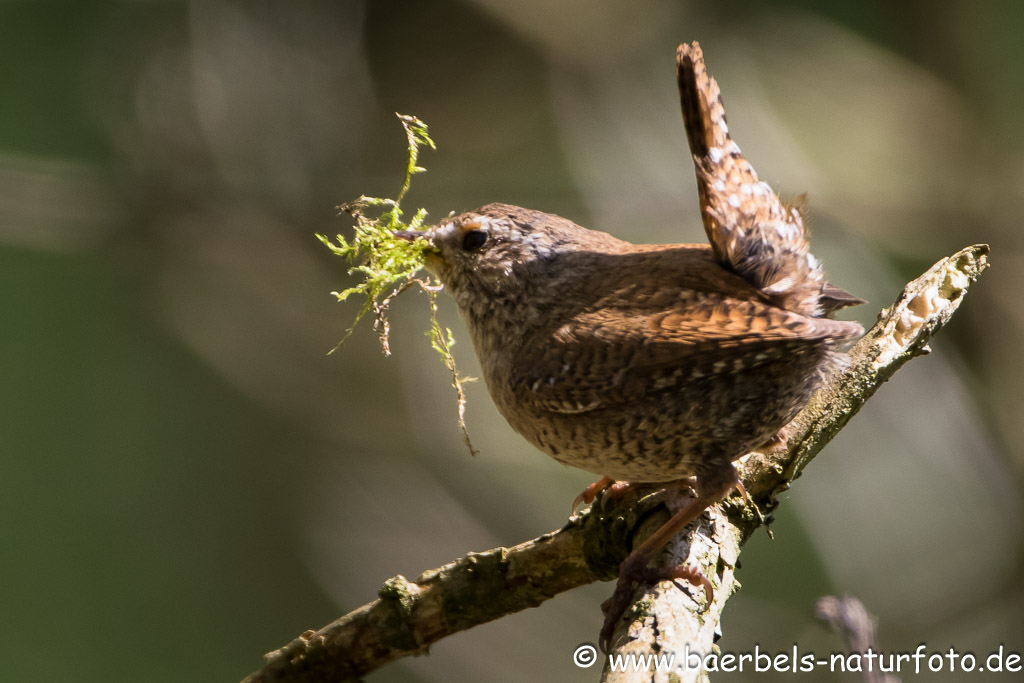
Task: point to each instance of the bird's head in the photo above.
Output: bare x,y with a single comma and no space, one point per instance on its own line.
497,249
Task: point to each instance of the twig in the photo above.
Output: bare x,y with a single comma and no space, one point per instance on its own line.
849,619
409,616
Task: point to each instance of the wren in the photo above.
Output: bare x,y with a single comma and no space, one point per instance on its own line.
650,363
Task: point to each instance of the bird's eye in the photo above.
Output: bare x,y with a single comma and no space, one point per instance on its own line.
473,240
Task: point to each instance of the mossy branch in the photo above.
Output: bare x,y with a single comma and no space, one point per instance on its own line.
408,616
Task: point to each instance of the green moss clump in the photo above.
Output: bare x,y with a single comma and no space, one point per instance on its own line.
388,266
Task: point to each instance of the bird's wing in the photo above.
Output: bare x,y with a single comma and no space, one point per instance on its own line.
654,352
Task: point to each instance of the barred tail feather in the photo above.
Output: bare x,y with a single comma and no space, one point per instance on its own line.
750,230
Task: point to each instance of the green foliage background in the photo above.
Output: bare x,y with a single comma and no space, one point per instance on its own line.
187,480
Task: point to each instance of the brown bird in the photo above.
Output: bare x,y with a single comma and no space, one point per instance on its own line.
649,363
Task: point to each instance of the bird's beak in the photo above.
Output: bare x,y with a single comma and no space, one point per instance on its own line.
431,254
409,235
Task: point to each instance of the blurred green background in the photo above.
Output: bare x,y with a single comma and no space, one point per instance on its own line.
188,481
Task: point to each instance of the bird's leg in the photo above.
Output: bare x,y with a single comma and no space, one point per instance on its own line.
607,484
710,490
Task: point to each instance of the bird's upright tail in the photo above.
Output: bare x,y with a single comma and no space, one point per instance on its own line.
751,231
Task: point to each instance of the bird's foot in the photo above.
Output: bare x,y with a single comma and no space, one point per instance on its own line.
634,569
612,489
712,487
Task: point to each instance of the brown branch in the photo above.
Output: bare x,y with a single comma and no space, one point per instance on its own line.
408,616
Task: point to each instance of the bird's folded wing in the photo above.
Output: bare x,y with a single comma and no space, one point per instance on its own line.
658,352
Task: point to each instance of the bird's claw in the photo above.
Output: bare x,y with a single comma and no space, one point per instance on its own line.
635,570
612,489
